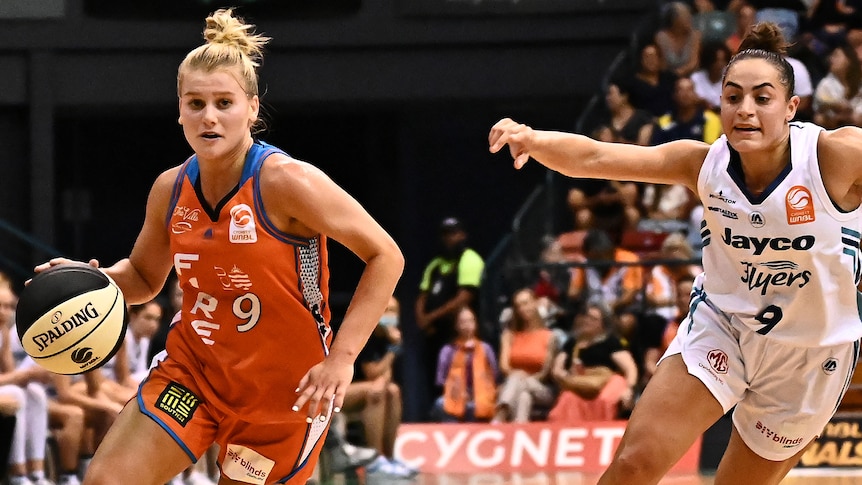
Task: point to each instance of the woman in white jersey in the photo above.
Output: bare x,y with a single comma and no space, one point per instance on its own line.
773,326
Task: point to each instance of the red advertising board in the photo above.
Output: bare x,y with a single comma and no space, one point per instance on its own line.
508,448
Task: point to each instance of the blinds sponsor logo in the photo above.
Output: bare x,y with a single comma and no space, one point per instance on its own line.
246,465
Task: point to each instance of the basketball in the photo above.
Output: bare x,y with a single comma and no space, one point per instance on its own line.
71,318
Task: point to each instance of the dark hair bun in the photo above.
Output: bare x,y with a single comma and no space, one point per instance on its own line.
765,36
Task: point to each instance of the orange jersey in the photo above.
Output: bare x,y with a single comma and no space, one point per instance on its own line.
255,313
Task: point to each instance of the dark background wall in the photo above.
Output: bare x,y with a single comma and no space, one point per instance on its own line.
392,98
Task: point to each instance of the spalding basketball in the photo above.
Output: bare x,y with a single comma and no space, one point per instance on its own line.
71,318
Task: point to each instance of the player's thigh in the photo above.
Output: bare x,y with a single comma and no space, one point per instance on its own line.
136,450
673,411
742,466
60,414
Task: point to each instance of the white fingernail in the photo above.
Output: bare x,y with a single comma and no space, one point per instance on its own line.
322,417
295,408
308,420
337,409
297,390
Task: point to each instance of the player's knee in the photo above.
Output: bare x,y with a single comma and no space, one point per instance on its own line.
376,395
635,463
74,420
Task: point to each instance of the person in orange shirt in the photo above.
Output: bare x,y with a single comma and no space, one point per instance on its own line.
527,350
251,364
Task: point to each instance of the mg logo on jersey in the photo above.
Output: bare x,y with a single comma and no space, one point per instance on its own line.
242,226
830,365
800,209
718,360
756,219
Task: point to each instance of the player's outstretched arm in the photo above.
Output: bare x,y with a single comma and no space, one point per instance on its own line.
582,157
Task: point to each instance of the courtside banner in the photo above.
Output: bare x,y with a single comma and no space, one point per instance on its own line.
475,448
839,446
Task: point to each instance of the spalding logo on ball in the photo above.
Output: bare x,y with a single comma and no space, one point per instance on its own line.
71,318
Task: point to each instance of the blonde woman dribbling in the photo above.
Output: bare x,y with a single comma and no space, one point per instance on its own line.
251,363
773,327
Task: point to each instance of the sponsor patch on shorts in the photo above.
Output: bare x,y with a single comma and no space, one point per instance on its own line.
178,402
246,465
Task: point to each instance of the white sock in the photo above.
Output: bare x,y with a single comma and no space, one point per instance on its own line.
37,475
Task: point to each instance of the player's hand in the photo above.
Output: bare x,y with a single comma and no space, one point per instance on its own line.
518,136
323,387
56,261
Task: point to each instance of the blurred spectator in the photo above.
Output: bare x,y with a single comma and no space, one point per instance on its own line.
627,124
745,18
661,288
467,371
376,395
66,421
171,305
678,40
803,87
831,23
144,321
688,120
617,287
713,24
684,286
613,205
24,396
596,374
527,350
652,84
784,13
707,80
450,281
608,205
837,99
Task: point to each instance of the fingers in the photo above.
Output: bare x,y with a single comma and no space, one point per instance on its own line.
516,135
321,395
321,401
57,261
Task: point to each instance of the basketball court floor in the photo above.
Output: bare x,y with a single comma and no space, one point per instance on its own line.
796,477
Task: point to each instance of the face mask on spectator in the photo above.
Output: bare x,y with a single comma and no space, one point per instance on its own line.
388,320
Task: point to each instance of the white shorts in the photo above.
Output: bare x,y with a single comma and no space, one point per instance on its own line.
784,395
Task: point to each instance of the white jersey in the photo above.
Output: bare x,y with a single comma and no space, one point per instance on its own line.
784,263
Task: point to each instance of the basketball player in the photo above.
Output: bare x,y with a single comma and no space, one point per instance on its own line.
773,326
252,364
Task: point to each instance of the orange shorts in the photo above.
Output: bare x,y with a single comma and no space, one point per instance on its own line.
256,453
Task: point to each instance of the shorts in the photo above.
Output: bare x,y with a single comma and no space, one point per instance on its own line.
256,453
784,395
